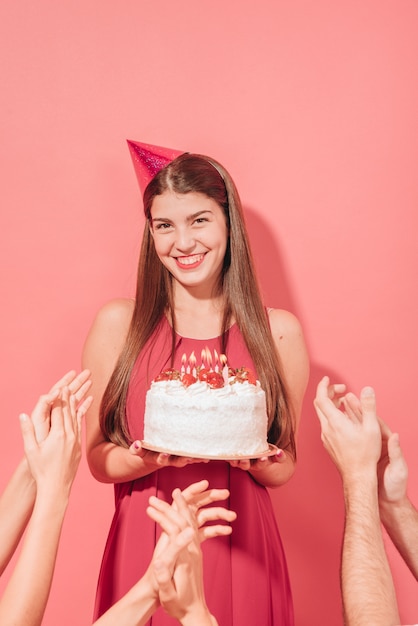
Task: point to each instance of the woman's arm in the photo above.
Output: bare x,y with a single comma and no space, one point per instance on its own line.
108,462
17,500
16,504
290,343
288,338
53,464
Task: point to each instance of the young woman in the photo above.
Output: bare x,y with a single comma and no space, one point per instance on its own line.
196,288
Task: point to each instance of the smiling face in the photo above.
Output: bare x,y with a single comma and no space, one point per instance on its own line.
190,236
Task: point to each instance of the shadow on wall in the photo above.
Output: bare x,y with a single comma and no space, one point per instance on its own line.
310,508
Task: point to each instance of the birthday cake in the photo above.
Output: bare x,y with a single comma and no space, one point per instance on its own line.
204,413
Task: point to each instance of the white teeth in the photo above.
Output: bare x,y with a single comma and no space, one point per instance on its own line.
189,260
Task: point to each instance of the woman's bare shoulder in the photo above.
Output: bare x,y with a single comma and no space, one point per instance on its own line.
284,324
116,312
109,329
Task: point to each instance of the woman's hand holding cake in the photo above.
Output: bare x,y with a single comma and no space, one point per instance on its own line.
157,460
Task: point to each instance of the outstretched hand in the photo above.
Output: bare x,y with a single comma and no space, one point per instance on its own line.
54,460
197,496
177,568
78,385
351,435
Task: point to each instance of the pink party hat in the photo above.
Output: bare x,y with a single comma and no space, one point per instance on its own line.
148,160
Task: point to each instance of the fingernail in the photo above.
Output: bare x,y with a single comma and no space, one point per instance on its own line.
137,445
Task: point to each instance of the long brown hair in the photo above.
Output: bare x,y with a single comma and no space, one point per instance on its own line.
238,285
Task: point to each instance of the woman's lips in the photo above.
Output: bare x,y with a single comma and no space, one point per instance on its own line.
189,262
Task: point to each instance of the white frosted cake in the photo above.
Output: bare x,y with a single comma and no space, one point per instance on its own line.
209,415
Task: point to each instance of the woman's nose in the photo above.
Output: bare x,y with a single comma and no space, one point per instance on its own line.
185,241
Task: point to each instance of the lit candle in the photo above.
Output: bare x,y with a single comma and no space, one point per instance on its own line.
183,363
192,361
216,361
223,361
209,359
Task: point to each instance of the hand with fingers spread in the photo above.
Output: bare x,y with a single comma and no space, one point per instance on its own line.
177,565
197,498
350,434
78,386
54,461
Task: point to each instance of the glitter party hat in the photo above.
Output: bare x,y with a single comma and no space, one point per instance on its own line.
148,160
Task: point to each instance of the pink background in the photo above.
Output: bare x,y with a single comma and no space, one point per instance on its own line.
312,106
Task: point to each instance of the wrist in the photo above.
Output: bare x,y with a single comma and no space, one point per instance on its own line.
199,617
24,473
147,590
393,507
51,502
141,463
358,484
275,472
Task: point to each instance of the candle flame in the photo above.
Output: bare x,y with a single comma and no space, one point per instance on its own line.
208,357
223,359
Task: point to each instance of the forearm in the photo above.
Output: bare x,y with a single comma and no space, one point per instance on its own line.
16,504
134,609
24,600
110,463
367,585
401,523
274,473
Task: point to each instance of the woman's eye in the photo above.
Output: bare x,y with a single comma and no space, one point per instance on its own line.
200,220
162,226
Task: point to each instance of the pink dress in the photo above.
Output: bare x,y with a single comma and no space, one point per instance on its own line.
246,578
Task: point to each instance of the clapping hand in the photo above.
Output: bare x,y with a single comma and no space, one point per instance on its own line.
52,433
78,385
177,567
